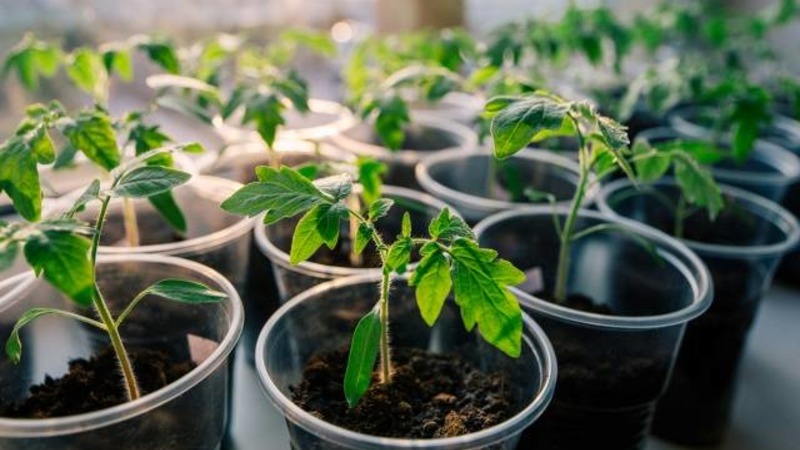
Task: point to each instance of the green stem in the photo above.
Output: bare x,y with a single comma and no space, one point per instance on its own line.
131,386
385,351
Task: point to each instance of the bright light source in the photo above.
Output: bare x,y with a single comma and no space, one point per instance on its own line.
342,31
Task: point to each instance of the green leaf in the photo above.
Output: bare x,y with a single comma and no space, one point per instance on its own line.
147,181
317,41
31,59
745,133
19,178
161,52
650,164
14,343
519,121
8,254
185,291
93,134
406,225
91,193
379,208
447,227
65,261
318,226
399,255
87,71
281,193
146,138
432,279
118,60
66,157
479,279
615,134
361,359
391,121
337,186
370,172
168,208
295,89
363,236
698,186
266,112
42,146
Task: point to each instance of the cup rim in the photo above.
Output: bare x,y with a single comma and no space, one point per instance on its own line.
467,140
535,339
785,164
58,426
281,258
693,269
194,245
430,184
757,204
253,151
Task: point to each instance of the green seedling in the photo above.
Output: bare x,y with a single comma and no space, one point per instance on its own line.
451,261
603,149
64,249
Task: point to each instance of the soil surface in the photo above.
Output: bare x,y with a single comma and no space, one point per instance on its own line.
153,230
431,396
95,384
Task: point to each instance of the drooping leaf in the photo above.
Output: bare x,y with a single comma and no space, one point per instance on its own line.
31,59
480,280
19,178
266,112
650,164
698,186
370,172
185,291
168,208
86,69
93,134
362,357
118,60
147,181
282,193
433,284
515,125
161,52
14,343
91,193
64,259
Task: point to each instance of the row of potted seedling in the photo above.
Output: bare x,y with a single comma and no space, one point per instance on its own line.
613,296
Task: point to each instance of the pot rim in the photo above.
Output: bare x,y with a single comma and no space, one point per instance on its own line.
28,428
208,242
424,178
785,165
281,258
466,137
254,151
684,260
535,339
344,119
757,204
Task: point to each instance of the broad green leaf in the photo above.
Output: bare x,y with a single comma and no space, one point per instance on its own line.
337,186
161,52
318,226
147,181
650,164
65,261
447,227
615,134
266,112
146,138
295,89
745,133
406,225
281,193
66,157
87,71
93,134
370,172
19,178
91,193
515,126
479,279
399,255
118,60
432,280
185,291
14,343
168,208
698,186
391,121
361,359
363,236
41,145
379,208
31,59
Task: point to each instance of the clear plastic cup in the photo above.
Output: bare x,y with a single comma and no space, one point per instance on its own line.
459,107
741,249
464,179
188,413
275,240
426,134
323,318
613,366
769,171
324,119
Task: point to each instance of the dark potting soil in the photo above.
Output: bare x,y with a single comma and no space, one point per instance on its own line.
579,302
153,230
430,396
95,384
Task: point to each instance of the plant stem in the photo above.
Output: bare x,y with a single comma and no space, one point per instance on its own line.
355,258
680,212
131,224
131,386
385,351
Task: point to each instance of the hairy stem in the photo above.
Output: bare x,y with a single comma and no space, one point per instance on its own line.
100,306
356,260
131,224
385,351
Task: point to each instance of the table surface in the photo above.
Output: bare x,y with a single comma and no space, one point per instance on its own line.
767,409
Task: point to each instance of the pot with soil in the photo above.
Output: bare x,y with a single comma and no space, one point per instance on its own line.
426,134
275,241
70,393
741,249
450,389
324,119
768,171
478,185
618,330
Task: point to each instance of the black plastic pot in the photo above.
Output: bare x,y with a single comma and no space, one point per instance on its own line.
613,366
741,248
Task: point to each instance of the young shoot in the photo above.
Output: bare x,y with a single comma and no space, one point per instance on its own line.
451,261
603,148
64,249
